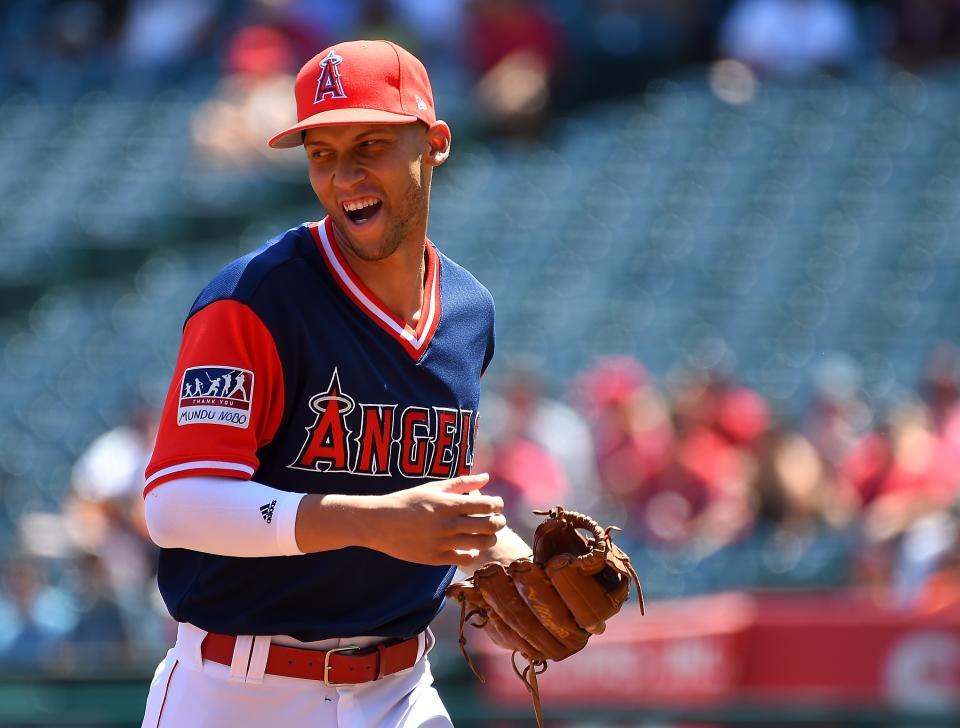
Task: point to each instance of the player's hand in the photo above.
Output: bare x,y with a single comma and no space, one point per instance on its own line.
438,523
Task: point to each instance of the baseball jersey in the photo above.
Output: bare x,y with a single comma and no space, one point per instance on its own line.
292,373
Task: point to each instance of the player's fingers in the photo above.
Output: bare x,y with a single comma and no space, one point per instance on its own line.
479,505
461,559
466,541
480,524
463,483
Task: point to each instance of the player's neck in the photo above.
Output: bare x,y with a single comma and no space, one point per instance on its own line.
397,280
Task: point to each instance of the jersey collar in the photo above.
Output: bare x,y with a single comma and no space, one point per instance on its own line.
413,342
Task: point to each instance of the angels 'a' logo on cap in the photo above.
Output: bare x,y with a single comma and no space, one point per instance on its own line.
329,81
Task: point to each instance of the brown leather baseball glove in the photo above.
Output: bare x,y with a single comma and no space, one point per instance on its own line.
546,607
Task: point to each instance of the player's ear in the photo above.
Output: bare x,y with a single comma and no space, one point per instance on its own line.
438,140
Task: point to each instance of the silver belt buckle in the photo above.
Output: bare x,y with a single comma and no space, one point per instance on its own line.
326,664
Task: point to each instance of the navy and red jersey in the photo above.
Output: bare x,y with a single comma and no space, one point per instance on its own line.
292,373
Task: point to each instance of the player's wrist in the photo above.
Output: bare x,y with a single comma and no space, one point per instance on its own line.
326,522
372,519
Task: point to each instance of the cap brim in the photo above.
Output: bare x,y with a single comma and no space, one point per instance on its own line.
293,137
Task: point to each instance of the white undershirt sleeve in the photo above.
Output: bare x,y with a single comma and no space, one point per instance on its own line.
224,516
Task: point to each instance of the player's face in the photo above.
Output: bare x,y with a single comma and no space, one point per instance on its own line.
374,181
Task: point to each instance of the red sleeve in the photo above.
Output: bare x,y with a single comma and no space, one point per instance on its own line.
225,401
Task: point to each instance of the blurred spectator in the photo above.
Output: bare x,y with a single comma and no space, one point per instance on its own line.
306,26
539,451
941,385
792,488
380,19
630,424
925,30
112,466
719,425
950,443
622,44
867,465
837,417
81,29
791,38
99,635
104,508
906,480
329,20
925,562
643,481
526,476
717,421
626,28
908,469
671,508
259,51
251,101
166,34
514,47
33,614
71,44
439,27
803,532
497,29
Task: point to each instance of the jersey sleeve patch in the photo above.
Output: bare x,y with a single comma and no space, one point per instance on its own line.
215,395
225,399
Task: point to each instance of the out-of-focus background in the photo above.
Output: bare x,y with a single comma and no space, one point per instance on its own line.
722,236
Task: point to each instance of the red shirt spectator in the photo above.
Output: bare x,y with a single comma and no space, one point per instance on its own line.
496,29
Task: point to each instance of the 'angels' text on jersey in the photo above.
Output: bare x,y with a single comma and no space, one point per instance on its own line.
366,439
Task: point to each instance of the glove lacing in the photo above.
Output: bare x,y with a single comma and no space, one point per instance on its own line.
528,676
626,561
465,619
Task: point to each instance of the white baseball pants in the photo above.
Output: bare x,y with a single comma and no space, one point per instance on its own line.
189,692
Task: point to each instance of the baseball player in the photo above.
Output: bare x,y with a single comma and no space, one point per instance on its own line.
312,515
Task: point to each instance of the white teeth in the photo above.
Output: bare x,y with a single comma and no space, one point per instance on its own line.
360,204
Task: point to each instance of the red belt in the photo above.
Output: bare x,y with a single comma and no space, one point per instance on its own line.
338,666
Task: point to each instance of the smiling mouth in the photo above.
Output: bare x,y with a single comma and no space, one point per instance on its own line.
363,210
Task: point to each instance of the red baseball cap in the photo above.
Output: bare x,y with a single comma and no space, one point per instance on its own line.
359,82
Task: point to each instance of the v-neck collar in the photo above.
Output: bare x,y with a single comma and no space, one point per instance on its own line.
413,342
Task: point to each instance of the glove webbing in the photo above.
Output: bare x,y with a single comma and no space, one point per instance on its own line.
600,535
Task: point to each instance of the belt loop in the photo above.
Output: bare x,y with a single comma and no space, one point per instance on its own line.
382,661
241,658
189,644
425,643
258,659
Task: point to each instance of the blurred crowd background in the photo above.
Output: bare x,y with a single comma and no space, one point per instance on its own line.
721,235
